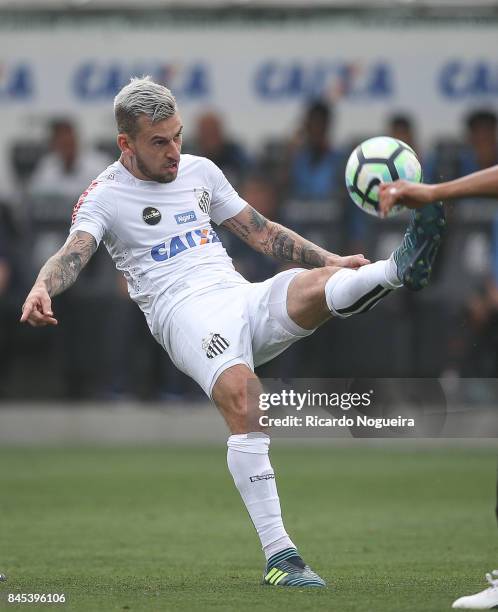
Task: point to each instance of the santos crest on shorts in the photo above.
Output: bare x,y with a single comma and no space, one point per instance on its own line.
160,235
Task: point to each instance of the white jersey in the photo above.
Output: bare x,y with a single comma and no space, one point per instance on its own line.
159,234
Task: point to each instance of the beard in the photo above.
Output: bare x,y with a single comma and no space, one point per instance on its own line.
153,176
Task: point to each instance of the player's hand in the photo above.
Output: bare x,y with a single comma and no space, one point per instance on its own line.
411,195
37,309
350,261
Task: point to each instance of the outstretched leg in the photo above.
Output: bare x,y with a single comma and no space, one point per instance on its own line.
316,295
235,393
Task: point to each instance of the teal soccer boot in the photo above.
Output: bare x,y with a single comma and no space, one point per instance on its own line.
416,254
286,568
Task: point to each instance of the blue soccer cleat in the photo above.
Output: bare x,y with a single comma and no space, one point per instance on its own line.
416,254
286,568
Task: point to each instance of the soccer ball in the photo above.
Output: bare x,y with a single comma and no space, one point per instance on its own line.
379,160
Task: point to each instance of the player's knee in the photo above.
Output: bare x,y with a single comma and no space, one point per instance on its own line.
231,391
236,399
236,394
328,271
321,276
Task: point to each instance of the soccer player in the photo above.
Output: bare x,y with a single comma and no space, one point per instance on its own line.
153,209
417,195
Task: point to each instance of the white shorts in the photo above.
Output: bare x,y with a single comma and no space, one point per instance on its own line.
245,323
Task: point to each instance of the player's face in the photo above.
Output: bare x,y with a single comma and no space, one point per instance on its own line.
156,149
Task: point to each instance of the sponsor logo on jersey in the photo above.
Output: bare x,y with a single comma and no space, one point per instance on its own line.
185,217
178,244
151,215
203,199
214,345
262,477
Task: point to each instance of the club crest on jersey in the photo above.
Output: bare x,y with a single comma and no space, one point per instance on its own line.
203,199
151,215
214,345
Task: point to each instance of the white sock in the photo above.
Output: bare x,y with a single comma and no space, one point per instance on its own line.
351,292
250,466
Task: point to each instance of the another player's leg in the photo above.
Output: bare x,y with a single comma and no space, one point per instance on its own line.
485,600
315,295
234,393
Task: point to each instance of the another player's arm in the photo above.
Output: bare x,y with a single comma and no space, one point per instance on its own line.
415,195
57,275
282,243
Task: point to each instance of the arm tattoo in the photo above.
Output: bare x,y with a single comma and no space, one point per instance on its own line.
258,222
273,239
289,246
238,228
62,269
246,223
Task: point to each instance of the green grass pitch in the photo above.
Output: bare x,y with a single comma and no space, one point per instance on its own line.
390,528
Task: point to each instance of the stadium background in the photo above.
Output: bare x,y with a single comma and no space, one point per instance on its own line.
244,78
277,93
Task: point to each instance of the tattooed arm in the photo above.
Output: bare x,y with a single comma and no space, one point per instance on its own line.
57,275
274,239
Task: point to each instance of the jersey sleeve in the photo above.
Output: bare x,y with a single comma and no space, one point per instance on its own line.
225,201
92,214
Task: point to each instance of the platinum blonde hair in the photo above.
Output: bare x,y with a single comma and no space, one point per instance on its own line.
142,97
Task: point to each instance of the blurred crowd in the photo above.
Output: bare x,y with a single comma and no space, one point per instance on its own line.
102,348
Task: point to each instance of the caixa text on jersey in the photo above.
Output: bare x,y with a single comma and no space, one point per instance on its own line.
177,244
